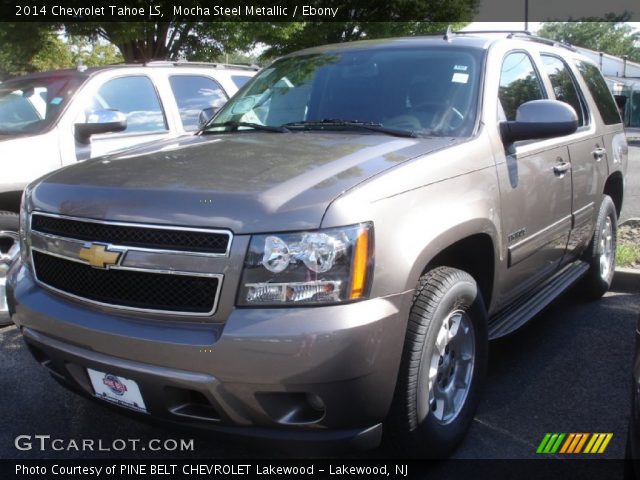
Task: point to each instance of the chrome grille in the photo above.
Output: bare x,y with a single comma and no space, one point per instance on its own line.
167,238
151,274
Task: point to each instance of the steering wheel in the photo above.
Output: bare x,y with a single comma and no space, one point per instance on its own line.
450,121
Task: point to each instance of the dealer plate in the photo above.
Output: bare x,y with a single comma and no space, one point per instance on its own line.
115,389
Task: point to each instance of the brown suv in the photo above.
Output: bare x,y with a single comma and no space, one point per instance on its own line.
334,250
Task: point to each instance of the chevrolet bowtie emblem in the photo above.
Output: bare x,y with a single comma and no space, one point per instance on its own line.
99,256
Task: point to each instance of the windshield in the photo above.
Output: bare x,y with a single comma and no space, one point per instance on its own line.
30,105
424,90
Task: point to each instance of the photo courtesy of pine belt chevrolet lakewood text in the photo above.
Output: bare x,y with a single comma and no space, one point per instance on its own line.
327,258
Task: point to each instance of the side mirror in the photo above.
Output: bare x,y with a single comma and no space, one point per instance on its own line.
207,114
100,121
540,119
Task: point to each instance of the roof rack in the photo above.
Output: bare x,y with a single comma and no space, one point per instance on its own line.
448,34
183,63
522,35
511,32
546,41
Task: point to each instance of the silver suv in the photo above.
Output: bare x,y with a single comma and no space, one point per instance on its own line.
53,119
333,252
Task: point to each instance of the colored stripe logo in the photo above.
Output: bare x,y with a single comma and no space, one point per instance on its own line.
572,443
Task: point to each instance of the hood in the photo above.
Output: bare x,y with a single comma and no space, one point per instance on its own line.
247,182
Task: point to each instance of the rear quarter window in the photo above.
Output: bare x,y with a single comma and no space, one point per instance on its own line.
600,92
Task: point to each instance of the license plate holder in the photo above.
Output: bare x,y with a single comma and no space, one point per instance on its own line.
117,389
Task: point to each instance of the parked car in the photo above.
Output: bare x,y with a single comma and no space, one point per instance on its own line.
333,253
54,119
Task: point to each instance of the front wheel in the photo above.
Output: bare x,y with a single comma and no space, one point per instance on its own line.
9,222
443,365
601,253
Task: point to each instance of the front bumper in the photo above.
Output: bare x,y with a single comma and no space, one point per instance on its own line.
257,374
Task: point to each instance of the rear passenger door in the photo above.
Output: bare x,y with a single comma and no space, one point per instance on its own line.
587,153
535,194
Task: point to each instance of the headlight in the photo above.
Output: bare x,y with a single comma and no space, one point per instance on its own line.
322,267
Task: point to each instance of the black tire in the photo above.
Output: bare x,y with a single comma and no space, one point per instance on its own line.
8,221
442,293
598,279
630,463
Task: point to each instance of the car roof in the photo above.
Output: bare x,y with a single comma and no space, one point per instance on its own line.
470,39
84,73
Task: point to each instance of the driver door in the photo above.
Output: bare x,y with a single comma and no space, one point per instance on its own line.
535,187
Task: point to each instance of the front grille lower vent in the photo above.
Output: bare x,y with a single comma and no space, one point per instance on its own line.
126,288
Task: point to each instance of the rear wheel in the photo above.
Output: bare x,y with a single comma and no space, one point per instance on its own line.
601,253
443,364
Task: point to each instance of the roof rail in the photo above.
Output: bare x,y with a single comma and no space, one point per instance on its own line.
522,35
546,41
183,63
472,32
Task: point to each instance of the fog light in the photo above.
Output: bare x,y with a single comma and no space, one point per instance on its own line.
315,402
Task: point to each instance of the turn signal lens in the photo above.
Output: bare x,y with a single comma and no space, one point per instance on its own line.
360,265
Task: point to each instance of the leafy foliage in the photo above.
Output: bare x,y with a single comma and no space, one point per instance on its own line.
285,38
613,36
26,48
180,37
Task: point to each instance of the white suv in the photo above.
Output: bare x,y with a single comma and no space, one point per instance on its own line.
53,119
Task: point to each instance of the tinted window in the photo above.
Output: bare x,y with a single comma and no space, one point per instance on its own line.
564,86
136,97
193,94
600,93
426,90
240,80
29,105
519,83
633,105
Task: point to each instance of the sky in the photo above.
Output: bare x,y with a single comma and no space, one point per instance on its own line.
533,26
549,9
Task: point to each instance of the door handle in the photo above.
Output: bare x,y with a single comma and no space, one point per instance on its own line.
599,153
561,168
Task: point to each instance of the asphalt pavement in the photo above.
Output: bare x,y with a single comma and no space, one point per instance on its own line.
569,370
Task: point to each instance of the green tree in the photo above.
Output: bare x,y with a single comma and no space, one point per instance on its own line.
178,36
285,38
53,55
29,47
613,36
35,47
92,53
172,40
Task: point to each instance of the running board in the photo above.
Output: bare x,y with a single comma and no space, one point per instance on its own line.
516,315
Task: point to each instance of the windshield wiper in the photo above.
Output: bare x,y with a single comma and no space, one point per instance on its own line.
235,125
351,124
